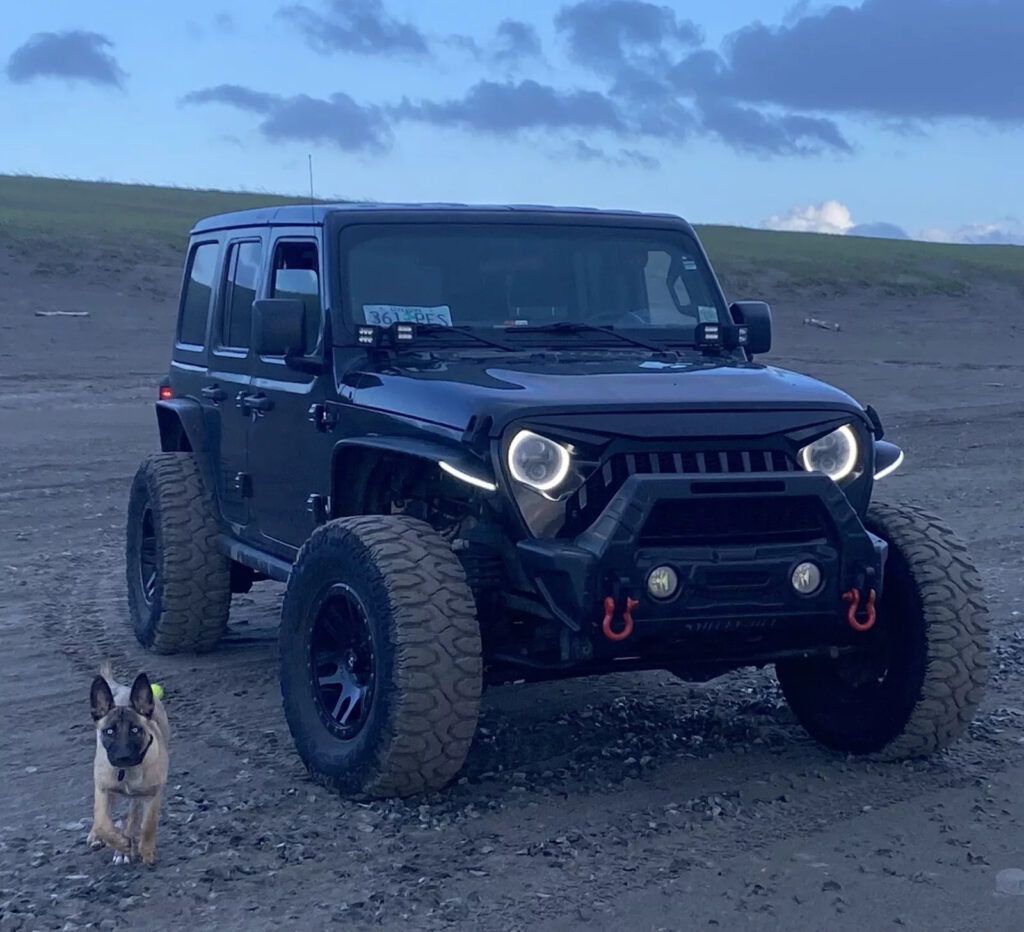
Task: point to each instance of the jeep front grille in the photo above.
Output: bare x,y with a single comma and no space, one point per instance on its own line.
591,498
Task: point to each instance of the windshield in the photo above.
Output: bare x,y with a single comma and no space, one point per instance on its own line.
529,275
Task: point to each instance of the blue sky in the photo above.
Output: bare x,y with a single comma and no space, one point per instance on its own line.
819,116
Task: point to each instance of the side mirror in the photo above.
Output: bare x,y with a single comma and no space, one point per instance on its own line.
757,316
278,326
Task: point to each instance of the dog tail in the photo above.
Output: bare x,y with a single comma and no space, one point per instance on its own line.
107,670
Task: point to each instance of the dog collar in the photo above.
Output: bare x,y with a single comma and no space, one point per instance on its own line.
121,771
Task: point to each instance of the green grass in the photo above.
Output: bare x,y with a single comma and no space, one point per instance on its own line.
837,263
53,206
76,215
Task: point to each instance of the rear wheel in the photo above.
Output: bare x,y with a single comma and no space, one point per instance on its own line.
179,585
380,656
918,686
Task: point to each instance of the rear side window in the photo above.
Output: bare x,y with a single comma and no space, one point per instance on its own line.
296,274
242,273
195,302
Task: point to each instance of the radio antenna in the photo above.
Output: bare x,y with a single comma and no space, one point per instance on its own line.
312,213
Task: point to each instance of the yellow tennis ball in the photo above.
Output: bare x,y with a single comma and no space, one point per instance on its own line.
158,690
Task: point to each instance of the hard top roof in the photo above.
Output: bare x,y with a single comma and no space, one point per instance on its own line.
307,214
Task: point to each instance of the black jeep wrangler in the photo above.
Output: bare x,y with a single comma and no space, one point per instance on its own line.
491,445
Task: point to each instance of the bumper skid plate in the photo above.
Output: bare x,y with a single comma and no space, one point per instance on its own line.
733,545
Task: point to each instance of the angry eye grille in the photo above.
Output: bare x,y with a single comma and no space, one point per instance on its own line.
592,497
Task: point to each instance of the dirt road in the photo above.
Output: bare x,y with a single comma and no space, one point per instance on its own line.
635,802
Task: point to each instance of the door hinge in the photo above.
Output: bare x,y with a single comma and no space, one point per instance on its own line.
243,484
317,505
321,417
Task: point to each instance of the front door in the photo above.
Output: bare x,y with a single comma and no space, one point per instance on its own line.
289,459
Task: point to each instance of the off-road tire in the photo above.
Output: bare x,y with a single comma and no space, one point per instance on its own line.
428,667
932,611
188,612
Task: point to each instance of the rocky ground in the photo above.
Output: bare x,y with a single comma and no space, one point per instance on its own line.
633,802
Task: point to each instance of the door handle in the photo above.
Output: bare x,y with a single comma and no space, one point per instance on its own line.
214,392
256,402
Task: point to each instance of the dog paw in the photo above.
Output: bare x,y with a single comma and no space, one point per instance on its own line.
93,841
129,856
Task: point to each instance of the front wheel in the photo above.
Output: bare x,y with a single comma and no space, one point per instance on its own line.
916,689
380,654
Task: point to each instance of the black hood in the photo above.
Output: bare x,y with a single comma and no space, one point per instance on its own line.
451,392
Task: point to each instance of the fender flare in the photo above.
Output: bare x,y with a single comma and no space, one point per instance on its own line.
182,419
459,462
888,458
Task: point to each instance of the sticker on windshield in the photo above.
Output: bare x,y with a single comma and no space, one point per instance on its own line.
384,315
689,265
707,315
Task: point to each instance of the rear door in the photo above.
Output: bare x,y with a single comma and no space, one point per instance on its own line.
198,372
228,375
289,459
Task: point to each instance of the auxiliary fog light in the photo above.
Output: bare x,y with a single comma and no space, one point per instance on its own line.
806,578
662,582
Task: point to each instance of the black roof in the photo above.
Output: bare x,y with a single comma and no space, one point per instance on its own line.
306,214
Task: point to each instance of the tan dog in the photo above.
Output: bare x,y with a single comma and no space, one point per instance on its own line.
132,736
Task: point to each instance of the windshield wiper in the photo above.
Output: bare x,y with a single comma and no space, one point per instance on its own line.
573,326
465,331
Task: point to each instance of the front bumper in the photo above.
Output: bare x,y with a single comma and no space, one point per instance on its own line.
733,542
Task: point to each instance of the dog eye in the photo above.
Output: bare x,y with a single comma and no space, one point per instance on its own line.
109,731
135,729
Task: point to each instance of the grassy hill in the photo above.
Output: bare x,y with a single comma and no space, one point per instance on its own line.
73,218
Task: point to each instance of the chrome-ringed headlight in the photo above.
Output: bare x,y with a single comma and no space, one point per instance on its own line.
538,462
836,454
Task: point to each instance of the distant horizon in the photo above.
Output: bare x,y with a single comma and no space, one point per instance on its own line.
342,199
841,116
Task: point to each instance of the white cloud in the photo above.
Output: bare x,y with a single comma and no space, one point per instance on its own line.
834,217
830,217
1005,232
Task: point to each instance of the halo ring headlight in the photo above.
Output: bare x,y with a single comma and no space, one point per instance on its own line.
537,462
835,454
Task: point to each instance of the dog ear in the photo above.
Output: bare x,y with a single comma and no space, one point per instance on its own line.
142,696
101,697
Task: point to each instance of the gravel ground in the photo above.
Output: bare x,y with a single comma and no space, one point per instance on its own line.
634,801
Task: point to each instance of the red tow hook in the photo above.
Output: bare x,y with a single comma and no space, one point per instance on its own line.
853,597
627,619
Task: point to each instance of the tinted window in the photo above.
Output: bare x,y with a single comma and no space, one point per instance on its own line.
243,269
489,275
195,302
296,274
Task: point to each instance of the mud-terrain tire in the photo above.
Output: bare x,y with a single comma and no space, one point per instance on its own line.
930,647
377,609
179,586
